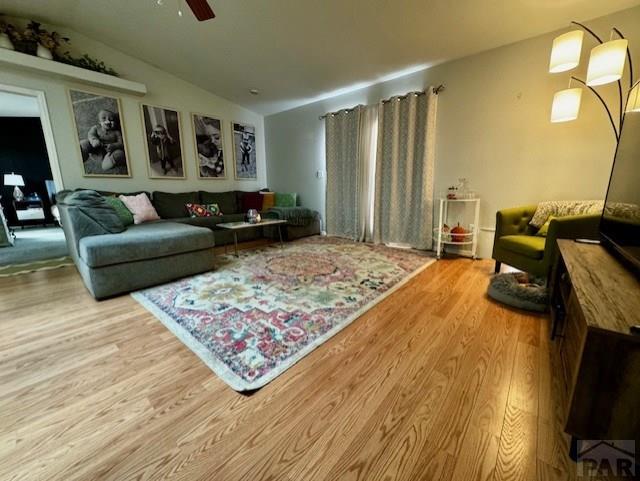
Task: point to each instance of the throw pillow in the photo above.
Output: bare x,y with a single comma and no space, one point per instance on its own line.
251,200
123,213
141,208
268,200
203,210
545,227
562,208
286,199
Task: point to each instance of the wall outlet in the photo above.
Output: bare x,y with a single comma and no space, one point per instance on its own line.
320,174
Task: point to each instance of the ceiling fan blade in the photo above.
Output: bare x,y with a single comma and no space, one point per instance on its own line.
201,9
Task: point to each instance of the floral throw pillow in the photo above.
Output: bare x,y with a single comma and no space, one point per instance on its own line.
203,210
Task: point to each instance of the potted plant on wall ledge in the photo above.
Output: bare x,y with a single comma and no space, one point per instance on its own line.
47,42
35,40
5,35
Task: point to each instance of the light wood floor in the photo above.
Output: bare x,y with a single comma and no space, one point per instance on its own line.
435,383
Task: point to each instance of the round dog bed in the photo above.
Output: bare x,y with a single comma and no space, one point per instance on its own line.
520,290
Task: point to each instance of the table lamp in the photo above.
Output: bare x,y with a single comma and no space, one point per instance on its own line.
16,181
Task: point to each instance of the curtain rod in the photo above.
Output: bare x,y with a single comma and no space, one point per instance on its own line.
341,111
436,90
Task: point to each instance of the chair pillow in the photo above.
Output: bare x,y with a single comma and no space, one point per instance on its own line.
124,214
203,210
286,199
545,227
141,208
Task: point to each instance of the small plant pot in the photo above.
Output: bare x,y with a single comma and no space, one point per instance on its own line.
5,42
26,46
44,52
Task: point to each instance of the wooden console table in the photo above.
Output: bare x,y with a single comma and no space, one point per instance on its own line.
594,302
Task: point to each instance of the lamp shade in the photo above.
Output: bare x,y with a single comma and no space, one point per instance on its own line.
566,105
633,102
13,179
606,63
565,52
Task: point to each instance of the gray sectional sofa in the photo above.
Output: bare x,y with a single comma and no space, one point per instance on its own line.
143,255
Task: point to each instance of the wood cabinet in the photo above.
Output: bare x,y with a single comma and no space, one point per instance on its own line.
594,302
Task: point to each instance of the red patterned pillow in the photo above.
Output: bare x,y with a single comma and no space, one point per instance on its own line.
203,210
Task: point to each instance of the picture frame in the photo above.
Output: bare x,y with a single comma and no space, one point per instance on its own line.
208,140
100,134
163,142
245,162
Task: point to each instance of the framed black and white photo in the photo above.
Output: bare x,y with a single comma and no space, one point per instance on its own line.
209,147
244,151
164,142
100,134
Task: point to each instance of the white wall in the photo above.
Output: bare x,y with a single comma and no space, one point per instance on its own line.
493,128
163,89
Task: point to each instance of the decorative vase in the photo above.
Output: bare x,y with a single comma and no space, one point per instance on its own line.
44,52
252,216
26,46
5,42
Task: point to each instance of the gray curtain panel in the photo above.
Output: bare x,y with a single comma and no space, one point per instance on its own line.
343,213
403,206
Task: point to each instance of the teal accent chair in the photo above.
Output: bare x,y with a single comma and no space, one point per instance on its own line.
516,244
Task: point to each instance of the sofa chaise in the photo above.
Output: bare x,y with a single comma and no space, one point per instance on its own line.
139,256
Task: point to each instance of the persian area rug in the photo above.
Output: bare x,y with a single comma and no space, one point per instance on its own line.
256,316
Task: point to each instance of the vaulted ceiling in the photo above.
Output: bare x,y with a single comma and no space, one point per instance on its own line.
295,51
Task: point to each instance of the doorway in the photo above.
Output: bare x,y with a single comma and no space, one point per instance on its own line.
30,234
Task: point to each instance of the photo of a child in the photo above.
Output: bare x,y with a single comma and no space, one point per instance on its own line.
244,150
208,133
100,134
164,147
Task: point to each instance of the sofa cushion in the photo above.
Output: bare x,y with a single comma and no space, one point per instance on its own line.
526,245
233,218
170,205
144,241
209,222
226,201
251,200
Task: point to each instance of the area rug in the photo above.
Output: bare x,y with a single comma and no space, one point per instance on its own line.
44,265
257,315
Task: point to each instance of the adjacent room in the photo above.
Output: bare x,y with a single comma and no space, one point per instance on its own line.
29,215
338,240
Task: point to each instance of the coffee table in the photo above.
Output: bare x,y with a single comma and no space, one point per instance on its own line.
236,226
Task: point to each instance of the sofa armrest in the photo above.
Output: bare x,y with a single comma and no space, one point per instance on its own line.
570,227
